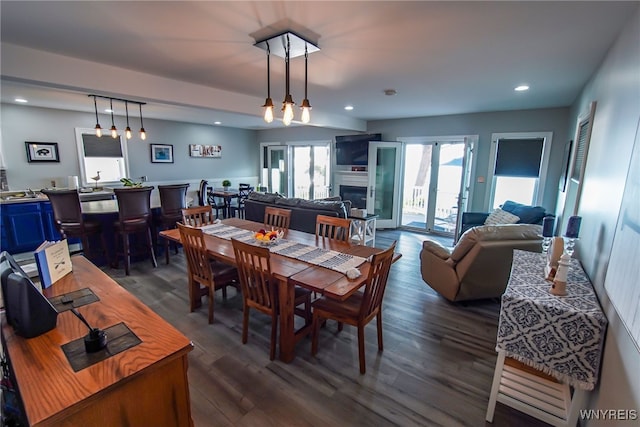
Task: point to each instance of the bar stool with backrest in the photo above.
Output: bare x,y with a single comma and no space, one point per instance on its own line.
360,308
67,214
173,198
203,271
134,217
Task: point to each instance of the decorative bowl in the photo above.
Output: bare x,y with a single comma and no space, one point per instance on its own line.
267,238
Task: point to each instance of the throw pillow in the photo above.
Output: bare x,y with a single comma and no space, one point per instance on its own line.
498,216
527,214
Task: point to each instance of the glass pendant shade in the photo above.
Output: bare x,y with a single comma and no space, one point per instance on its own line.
114,132
306,111
287,108
143,134
128,132
268,110
98,130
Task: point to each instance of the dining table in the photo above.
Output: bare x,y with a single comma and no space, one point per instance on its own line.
291,271
227,194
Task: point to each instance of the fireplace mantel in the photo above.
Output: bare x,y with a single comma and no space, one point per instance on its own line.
357,179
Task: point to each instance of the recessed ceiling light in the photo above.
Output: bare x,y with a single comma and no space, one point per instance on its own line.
390,92
108,110
217,123
348,107
21,100
521,88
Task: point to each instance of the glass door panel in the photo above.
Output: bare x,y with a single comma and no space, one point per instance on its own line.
277,169
311,171
301,171
444,207
417,180
321,172
384,175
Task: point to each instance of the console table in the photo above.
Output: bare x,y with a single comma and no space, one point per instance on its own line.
145,385
363,229
547,344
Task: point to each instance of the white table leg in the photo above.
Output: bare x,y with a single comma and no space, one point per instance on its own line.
495,387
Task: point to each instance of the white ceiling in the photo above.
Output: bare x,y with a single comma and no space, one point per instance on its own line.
441,57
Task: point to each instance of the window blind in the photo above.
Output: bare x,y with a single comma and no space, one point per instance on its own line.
101,147
580,150
519,157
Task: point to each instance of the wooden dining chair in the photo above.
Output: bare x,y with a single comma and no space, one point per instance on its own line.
197,216
333,228
205,275
259,288
277,218
360,308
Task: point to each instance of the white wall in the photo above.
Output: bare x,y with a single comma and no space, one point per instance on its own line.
616,88
239,162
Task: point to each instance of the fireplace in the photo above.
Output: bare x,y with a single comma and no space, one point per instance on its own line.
357,195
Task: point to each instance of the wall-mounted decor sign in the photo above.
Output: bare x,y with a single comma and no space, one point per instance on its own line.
42,152
161,153
198,150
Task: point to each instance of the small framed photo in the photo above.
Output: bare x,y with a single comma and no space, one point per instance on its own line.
161,153
42,152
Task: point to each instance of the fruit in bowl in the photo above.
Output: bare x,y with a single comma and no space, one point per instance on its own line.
267,237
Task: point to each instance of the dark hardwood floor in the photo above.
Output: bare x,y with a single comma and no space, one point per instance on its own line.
436,368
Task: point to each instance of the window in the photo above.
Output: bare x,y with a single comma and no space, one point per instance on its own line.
103,157
518,171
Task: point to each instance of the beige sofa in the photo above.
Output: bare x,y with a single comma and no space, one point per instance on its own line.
480,263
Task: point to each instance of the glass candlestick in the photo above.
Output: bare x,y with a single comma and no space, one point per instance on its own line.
569,245
546,243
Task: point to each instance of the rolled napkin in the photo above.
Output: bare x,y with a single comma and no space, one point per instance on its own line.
573,227
547,226
353,273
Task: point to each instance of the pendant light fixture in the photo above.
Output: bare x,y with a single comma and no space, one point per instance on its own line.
287,104
143,133
268,103
287,45
305,106
127,131
98,128
114,131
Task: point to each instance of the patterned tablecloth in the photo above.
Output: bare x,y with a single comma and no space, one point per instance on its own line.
562,336
333,260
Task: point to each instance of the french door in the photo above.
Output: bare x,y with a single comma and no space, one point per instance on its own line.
436,183
384,177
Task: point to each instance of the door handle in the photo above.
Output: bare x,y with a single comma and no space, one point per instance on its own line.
371,191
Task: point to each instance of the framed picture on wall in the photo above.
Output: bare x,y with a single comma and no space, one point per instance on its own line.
42,152
161,153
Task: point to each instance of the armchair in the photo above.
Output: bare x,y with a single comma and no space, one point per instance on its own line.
480,263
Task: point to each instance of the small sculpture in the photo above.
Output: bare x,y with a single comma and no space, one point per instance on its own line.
96,178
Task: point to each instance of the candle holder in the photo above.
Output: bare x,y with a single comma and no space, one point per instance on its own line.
546,243
569,245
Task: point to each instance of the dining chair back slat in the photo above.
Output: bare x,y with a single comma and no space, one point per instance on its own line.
277,218
197,216
333,228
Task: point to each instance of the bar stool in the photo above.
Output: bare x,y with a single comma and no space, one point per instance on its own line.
69,221
134,217
243,194
173,198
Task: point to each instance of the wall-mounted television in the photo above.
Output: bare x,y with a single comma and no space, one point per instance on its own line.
354,149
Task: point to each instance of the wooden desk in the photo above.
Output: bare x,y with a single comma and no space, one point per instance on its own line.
145,385
319,279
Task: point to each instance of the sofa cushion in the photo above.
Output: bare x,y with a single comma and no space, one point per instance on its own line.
287,202
498,216
527,214
263,197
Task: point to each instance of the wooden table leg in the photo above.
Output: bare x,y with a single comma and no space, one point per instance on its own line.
286,295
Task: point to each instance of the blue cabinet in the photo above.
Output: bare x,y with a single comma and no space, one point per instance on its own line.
22,226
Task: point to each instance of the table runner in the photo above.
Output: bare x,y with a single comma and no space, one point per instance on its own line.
333,260
562,336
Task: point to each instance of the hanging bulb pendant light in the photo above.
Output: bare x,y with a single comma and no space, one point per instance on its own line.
98,128
268,103
143,133
287,105
128,129
114,131
306,106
